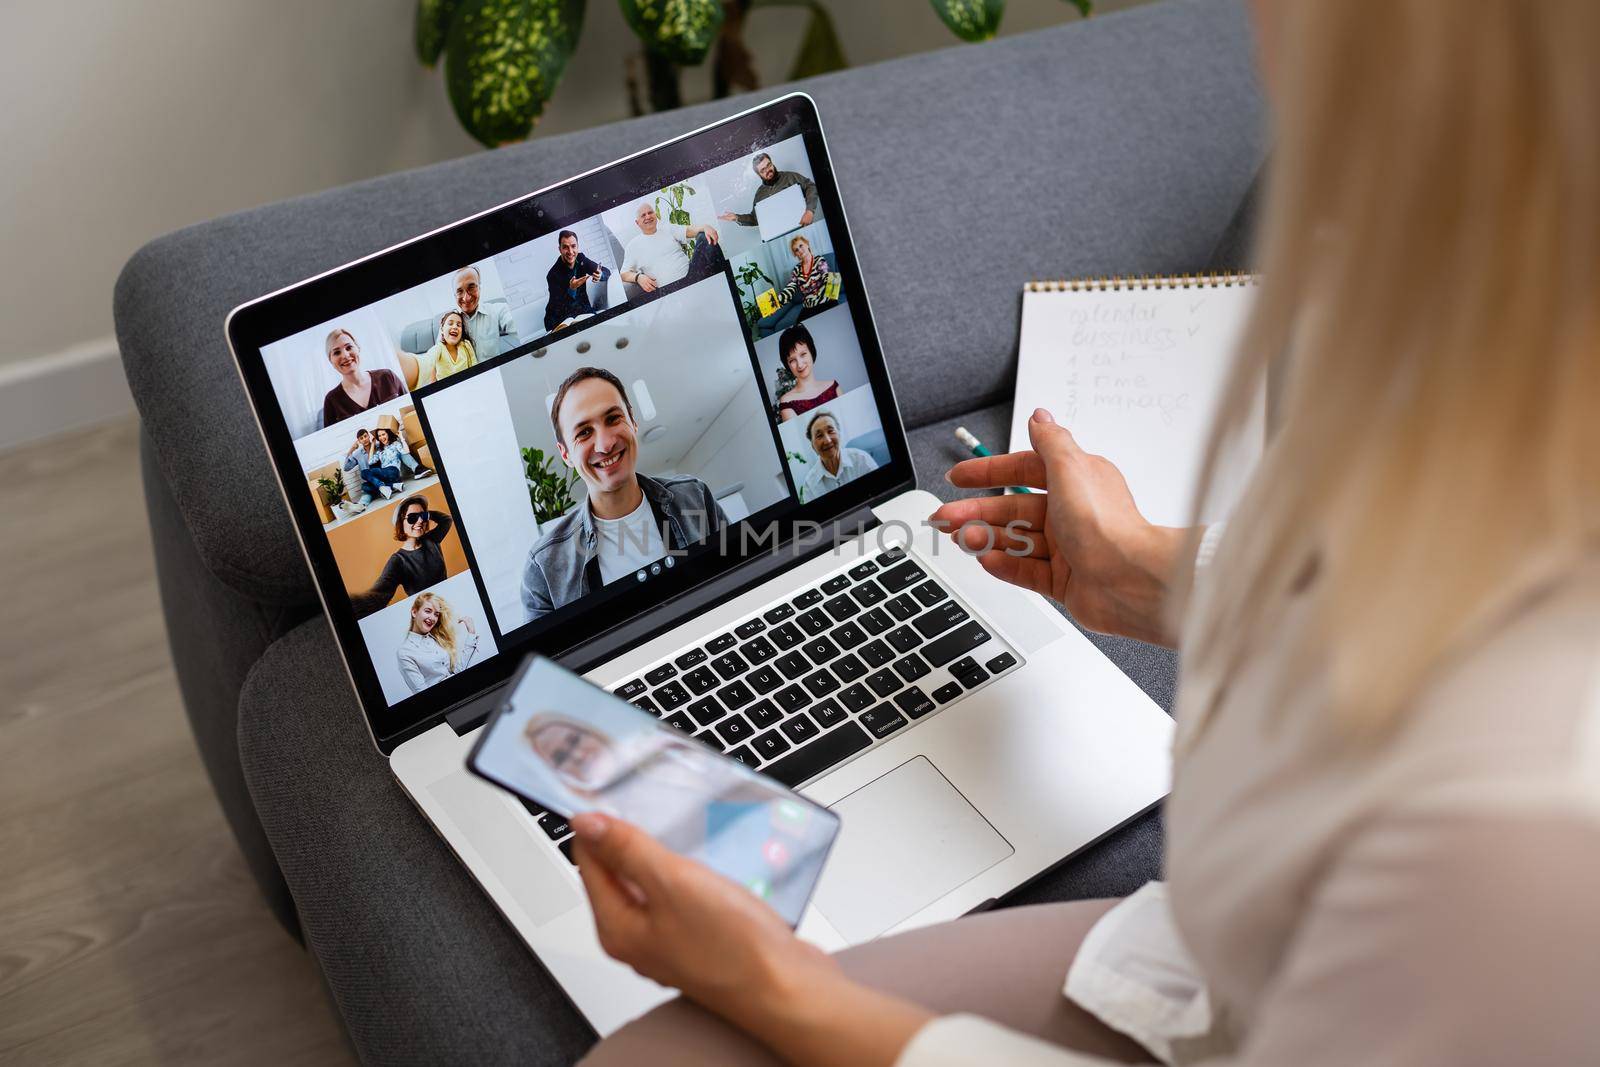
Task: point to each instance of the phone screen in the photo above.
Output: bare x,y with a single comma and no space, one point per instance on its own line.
572,747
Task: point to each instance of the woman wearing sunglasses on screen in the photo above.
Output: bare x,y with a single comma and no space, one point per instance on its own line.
419,561
438,643
1383,839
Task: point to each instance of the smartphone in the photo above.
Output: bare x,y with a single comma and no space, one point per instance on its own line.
572,747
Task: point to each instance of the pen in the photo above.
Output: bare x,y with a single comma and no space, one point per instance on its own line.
966,437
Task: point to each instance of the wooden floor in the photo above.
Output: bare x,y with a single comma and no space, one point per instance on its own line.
130,929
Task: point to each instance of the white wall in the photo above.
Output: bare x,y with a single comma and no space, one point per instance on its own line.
127,120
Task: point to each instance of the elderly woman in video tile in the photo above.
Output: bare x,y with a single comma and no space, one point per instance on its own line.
629,520
417,563
836,463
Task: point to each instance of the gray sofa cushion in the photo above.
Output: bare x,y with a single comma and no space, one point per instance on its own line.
421,966
1120,145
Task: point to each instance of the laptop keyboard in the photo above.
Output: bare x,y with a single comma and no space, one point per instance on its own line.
821,676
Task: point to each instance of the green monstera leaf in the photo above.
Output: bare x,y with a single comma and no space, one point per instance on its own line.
971,20
680,30
503,60
433,24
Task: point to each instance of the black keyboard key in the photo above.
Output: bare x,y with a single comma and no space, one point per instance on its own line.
1003,662
901,577
856,697
849,635
763,713
764,680
743,755
822,683
566,849
875,622
730,665
820,650
735,695
882,720
869,593
787,636
841,608
701,680
964,665
791,698
833,747
876,653
808,598
769,745
930,593
793,665
749,629
720,644
891,556
735,730
903,640
940,619
828,714
661,674
710,740
679,721
706,711
690,658
884,682
903,607
863,570
800,729
777,614
957,642
554,826
914,702
837,584
672,695
646,704
629,690
973,678
947,692
911,668
848,667
814,622
758,650
532,808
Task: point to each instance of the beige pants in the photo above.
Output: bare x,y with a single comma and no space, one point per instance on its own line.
1006,965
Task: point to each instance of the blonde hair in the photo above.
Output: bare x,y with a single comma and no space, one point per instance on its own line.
799,239
1431,261
444,630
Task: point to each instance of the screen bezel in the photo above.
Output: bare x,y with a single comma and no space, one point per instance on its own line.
531,661
252,326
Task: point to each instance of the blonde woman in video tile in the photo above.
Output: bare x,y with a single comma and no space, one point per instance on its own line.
453,352
799,354
358,390
437,643
836,463
419,561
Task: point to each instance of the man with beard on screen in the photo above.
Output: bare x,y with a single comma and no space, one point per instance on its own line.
629,520
775,181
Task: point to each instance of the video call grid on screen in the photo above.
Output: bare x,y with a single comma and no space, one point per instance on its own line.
783,291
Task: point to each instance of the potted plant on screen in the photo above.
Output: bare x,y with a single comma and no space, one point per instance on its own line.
549,485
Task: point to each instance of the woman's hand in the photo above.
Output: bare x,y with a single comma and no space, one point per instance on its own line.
466,620
680,923
1083,543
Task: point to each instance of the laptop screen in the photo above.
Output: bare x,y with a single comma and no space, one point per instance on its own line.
590,411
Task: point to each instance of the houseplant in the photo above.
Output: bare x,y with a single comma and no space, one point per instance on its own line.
549,485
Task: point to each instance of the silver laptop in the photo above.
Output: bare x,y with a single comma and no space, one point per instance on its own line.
704,501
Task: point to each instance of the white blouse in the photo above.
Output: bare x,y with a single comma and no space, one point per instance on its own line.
1434,900
424,662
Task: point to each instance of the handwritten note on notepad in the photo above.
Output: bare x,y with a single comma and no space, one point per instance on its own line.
1136,373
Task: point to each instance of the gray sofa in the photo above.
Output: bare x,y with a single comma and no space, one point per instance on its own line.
1126,144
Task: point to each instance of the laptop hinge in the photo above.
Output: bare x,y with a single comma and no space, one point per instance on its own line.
635,632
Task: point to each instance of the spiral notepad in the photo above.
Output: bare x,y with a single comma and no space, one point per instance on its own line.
1135,368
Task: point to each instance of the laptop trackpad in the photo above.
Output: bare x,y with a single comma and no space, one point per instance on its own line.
906,840
521,863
